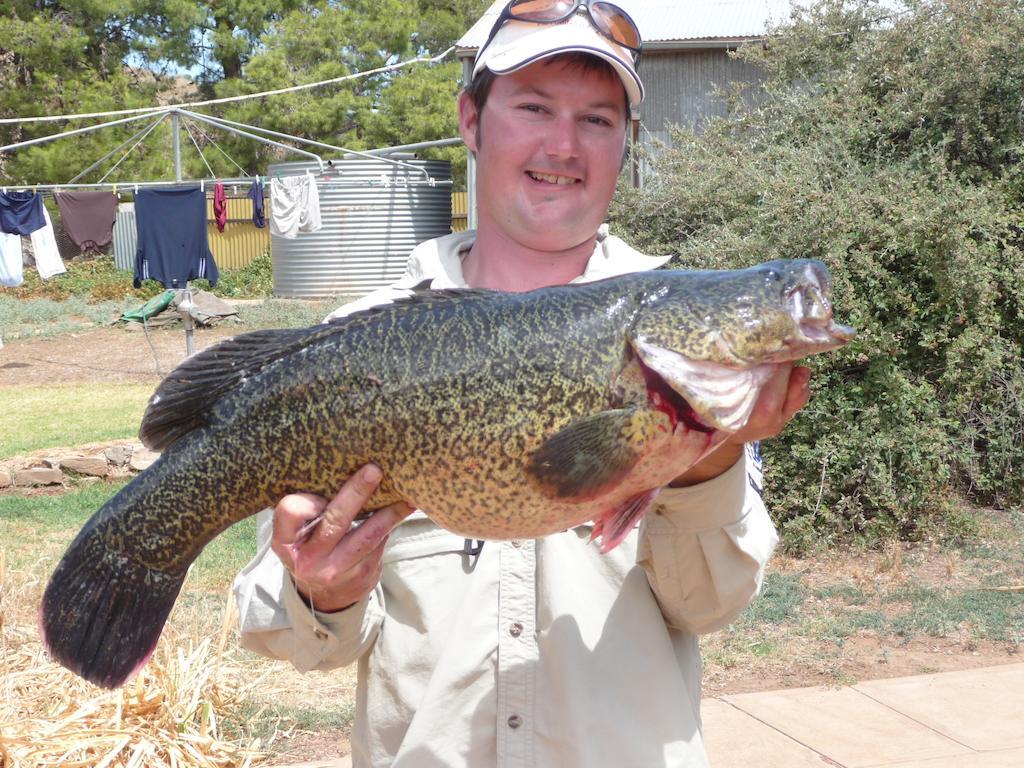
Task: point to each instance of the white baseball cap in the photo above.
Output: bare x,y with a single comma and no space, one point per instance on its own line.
518,44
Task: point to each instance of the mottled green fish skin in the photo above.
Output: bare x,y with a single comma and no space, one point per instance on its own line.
450,393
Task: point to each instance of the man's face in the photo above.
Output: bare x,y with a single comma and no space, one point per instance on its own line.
548,150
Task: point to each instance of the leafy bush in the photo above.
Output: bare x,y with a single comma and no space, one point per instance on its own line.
254,280
888,146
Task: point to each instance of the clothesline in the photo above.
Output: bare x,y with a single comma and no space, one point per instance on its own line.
127,186
229,99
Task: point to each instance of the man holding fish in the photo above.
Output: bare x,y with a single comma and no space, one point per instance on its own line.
529,652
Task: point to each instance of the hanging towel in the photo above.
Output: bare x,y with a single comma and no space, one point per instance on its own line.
44,249
256,195
294,205
21,213
220,206
172,246
88,218
10,260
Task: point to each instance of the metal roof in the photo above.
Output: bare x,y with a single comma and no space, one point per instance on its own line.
674,23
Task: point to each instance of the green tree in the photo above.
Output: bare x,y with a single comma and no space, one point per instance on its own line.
888,145
97,55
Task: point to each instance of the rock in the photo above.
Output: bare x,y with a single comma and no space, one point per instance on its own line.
5,478
85,482
52,461
118,455
38,476
95,466
142,457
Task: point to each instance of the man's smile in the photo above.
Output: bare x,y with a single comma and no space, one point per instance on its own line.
552,178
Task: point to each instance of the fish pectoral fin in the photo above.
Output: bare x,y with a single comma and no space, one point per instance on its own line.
594,453
615,524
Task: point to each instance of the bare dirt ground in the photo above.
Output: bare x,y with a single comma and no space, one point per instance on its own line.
106,354
801,649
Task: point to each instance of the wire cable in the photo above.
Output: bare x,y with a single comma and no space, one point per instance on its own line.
228,99
130,150
117,149
217,146
196,145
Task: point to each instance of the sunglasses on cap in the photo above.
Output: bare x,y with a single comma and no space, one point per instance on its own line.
608,19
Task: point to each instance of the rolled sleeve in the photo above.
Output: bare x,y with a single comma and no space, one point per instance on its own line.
275,621
704,548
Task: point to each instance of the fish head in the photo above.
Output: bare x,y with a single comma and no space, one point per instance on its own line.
715,337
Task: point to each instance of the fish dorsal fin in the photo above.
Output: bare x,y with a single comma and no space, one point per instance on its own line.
183,400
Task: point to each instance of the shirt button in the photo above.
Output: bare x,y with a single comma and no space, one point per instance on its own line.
514,721
319,634
515,629
517,543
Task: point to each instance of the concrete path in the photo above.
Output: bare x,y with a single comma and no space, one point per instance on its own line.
969,719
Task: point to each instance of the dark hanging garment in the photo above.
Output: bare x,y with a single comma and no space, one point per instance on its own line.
172,246
21,213
256,195
88,218
220,206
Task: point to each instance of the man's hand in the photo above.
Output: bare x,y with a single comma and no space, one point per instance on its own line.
339,564
785,393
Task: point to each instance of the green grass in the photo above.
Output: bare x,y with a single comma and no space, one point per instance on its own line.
937,613
35,530
780,598
45,417
45,317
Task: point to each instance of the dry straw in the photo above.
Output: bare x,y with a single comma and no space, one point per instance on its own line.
169,715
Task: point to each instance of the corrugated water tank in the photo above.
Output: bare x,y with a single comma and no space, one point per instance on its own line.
373,213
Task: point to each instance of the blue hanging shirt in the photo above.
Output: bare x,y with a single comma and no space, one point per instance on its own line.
21,213
256,195
172,247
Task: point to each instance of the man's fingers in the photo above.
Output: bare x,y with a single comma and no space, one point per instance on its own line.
799,392
294,511
344,507
371,533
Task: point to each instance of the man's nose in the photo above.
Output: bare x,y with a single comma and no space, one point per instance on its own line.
563,138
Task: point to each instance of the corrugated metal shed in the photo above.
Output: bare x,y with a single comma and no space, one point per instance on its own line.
373,214
675,22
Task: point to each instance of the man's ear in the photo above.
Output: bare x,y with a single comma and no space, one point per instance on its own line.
469,122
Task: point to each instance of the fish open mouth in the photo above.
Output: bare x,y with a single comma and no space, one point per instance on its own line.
811,307
664,398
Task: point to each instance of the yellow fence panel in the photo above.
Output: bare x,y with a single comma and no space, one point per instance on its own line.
241,241
460,211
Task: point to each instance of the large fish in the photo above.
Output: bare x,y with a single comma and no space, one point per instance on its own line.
500,415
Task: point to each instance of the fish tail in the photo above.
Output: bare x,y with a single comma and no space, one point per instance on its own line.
102,612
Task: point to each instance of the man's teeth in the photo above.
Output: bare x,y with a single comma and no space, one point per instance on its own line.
551,178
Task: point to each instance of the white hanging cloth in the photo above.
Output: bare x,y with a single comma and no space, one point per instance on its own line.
294,205
10,260
44,248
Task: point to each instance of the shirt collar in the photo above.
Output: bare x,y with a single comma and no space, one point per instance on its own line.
440,260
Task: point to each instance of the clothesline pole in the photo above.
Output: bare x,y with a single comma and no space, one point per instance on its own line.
185,310
176,143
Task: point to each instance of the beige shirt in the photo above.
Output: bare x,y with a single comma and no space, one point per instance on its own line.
540,653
